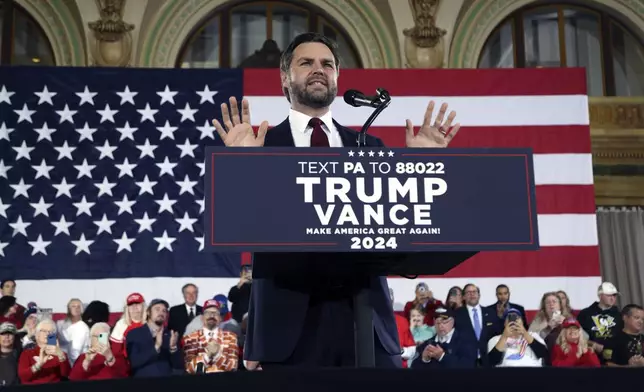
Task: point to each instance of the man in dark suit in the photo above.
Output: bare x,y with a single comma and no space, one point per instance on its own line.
476,322
301,314
153,350
501,307
182,315
449,349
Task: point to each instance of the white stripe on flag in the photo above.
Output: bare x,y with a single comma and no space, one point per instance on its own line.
526,291
563,169
567,229
471,111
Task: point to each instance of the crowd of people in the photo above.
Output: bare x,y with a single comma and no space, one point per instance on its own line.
153,339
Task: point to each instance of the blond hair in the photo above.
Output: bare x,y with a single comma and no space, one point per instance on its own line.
562,342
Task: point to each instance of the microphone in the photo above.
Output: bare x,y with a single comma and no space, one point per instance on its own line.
379,102
356,99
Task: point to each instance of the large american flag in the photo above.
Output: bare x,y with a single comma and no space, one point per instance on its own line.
101,175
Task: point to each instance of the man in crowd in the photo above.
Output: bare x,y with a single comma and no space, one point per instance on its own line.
9,354
239,294
475,322
182,315
502,305
625,349
602,320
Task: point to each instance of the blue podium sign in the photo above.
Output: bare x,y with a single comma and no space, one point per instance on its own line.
369,200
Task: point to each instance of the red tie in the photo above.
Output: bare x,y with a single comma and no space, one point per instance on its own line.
318,137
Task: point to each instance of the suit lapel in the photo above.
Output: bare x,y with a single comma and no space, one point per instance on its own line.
280,136
349,136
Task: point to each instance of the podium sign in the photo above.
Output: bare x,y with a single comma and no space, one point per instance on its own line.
369,200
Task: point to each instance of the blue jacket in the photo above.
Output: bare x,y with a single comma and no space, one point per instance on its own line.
460,352
144,359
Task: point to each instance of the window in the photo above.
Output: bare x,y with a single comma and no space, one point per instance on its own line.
570,36
22,41
253,35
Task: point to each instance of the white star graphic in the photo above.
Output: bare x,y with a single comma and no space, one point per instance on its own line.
64,188
105,188
2,246
187,149
4,208
145,223
65,151
187,186
4,169
24,114
127,132
4,132
104,225
106,150
62,226
351,153
86,97
360,153
202,166
124,243
167,131
66,114
146,186
390,153
86,133
44,133
187,113
202,205
147,149
127,95
82,244
125,205
23,151
186,223
166,167
107,114
83,207
125,168
207,131
164,241
21,189
371,153
165,204
41,207
5,96
19,226
45,96
207,95
43,170
167,95
84,169
39,246
200,240
147,113
381,153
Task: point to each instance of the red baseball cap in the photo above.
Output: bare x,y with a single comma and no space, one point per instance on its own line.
135,298
571,322
211,303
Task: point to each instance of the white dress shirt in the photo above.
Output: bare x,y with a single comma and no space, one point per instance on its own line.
302,131
193,308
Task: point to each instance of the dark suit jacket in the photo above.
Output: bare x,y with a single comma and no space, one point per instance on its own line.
179,320
144,359
460,352
489,322
501,322
283,284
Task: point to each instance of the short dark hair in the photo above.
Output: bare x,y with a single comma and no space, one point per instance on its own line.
626,311
478,290
6,281
305,38
185,286
502,286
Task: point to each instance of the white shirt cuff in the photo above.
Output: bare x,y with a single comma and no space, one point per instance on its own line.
408,352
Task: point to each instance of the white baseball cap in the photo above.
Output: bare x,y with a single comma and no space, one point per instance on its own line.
607,288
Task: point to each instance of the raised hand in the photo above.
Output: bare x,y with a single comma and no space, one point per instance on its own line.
436,135
238,131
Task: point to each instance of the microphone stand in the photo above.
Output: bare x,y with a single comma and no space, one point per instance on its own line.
380,102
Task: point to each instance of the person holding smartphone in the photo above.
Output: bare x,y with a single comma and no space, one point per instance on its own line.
239,295
99,363
46,363
516,347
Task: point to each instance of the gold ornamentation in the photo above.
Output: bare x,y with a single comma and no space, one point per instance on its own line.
424,34
111,26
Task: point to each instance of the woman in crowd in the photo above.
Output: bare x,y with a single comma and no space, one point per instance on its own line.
26,336
73,333
550,315
99,363
9,311
516,347
571,348
133,317
454,298
424,298
419,330
46,363
565,303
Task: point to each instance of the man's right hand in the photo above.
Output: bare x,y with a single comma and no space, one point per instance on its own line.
239,132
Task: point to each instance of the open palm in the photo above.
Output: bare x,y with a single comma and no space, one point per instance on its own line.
239,132
436,135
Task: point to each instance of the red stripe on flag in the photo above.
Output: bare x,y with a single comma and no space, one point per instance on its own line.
572,139
443,82
565,199
548,262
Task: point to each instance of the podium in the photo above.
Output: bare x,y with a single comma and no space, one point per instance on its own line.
367,212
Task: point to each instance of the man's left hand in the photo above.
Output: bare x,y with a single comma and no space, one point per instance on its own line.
436,135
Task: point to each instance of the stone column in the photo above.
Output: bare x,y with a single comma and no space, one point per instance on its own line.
424,43
112,44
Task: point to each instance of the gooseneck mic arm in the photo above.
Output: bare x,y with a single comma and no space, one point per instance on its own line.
380,101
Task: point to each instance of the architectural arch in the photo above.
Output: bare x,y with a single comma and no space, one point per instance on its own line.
480,20
57,21
174,23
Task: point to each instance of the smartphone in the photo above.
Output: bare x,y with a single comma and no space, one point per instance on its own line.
512,317
51,339
103,339
556,314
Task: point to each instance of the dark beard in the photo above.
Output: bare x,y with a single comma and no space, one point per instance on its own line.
317,100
